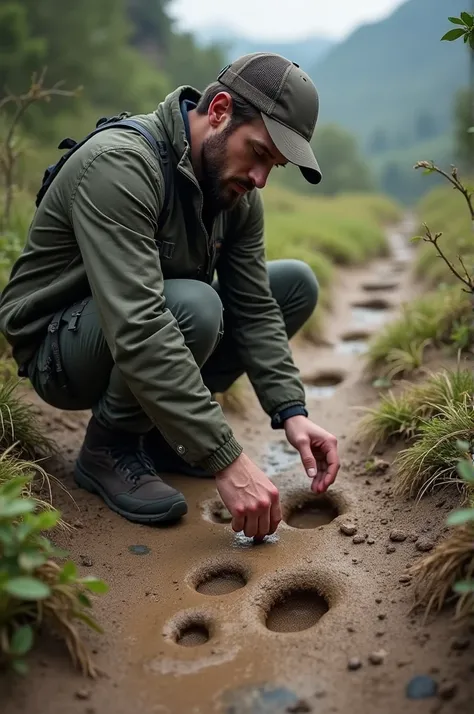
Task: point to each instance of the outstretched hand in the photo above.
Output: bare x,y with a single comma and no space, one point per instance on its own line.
318,451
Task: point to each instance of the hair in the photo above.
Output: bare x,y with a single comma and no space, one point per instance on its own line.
242,111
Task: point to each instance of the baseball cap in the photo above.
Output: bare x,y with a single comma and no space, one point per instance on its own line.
287,100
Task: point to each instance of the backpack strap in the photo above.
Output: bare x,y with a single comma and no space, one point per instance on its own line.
160,148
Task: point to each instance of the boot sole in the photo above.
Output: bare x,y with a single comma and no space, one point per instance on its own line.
177,509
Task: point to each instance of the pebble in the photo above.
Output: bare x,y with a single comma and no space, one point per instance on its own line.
299,707
83,694
447,690
358,539
421,687
382,616
371,541
413,537
404,579
86,561
384,521
391,549
354,663
378,600
397,536
377,657
348,529
424,545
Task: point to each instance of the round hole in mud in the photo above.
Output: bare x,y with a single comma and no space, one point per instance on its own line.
354,342
311,512
296,610
221,581
379,287
374,304
323,384
193,635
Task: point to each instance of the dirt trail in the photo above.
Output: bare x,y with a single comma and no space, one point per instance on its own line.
200,620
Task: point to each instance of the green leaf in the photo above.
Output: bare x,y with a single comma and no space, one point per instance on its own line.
84,600
69,572
382,383
30,560
415,239
27,588
466,471
456,20
15,487
22,641
464,587
94,584
47,520
463,515
17,507
20,667
467,18
463,445
453,35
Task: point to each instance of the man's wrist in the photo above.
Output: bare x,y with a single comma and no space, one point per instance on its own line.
280,417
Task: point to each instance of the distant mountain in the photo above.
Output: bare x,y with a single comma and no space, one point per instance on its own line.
393,82
305,52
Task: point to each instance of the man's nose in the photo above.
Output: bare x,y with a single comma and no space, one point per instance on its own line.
259,176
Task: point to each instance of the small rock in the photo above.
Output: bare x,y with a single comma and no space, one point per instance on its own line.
358,539
78,524
378,600
460,643
382,616
83,694
404,579
424,545
421,687
447,690
348,529
86,561
397,536
350,628
413,537
380,633
370,541
377,657
391,549
354,663
299,707
384,521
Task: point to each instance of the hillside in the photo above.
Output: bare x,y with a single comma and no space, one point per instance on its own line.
393,82
305,51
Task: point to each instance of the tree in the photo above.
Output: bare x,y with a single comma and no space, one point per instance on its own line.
341,162
378,142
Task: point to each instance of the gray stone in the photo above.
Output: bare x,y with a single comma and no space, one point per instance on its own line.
421,687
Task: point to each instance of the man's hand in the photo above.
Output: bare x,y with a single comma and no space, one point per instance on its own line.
250,497
318,451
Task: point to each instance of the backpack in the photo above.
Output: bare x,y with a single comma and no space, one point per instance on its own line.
159,147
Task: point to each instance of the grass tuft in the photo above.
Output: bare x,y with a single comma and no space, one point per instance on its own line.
400,417
19,427
430,320
432,460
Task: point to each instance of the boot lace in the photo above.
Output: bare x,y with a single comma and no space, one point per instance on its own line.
133,462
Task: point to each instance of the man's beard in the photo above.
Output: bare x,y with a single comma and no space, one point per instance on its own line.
217,190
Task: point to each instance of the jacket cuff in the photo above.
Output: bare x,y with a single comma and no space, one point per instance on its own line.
223,457
280,417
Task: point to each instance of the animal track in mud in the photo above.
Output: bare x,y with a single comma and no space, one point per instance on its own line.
296,610
219,579
189,629
215,512
323,384
370,312
354,342
379,287
308,510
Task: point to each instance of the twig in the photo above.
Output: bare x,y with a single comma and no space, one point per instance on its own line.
430,238
453,178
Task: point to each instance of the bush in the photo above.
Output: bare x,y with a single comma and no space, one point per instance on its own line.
442,317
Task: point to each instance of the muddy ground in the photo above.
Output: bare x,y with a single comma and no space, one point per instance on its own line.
198,619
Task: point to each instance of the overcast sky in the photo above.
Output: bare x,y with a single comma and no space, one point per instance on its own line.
281,19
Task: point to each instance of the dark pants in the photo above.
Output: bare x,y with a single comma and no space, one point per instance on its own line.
93,381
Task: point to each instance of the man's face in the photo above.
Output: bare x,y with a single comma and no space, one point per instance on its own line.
234,161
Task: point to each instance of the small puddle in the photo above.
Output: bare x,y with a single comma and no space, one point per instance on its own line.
353,343
295,611
323,385
370,312
279,456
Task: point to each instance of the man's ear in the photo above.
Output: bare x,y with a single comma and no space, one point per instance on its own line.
220,110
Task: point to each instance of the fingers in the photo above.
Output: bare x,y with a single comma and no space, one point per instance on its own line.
275,515
307,458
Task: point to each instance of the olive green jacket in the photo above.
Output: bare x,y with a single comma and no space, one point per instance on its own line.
95,232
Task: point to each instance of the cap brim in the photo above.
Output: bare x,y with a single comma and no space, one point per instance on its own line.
294,148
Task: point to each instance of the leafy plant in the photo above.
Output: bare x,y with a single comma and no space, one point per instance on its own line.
465,29
34,590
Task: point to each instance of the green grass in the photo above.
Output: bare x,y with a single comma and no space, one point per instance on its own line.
401,416
435,319
19,426
431,462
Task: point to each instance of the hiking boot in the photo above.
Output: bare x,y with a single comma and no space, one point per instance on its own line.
115,466
166,460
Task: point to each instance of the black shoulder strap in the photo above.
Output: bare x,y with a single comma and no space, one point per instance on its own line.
159,147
